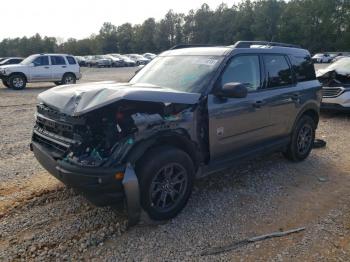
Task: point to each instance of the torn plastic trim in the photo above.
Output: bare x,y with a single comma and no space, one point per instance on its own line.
132,193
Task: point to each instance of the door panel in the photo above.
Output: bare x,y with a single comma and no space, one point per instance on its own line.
41,71
235,123
59,67
284,96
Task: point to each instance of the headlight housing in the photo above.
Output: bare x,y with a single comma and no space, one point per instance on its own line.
3,71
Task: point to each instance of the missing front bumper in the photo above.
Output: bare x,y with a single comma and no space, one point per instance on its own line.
98,185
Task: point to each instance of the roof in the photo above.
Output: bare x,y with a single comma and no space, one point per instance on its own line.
215,51
240,46
52,54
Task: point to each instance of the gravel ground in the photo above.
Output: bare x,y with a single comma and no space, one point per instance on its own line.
42,220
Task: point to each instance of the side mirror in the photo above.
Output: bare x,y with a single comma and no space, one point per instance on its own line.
233,90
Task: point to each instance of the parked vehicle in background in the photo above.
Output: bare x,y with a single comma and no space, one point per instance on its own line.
149,56
81,60
116,62
126,60
335,80
57,68
322,58
190,112
3,58
138,59
11,61
98,61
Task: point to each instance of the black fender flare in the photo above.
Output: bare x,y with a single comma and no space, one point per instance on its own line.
311,109
177,138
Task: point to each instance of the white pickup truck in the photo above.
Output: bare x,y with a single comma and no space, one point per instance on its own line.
57,68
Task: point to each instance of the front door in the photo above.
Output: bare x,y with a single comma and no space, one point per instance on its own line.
41,69
236,123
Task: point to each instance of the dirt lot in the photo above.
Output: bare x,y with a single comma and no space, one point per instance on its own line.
40,219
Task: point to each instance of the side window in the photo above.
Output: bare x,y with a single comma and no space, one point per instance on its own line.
57,60
71,60
41,61
278,71
303,68
243,69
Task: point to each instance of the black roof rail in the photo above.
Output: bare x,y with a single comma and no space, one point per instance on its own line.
247,44
189,45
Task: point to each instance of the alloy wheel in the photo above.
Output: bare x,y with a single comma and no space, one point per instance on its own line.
168,187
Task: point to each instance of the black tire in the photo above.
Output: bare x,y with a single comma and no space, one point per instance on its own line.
165,171
5,83
68,79
17,82
302,139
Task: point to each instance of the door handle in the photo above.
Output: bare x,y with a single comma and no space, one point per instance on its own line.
46,67
295,96
63,66
259,103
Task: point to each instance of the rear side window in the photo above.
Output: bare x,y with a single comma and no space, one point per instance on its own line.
71,60
278,71
57,60
41,61
303,68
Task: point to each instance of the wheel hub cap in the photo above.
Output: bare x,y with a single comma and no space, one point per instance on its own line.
168,187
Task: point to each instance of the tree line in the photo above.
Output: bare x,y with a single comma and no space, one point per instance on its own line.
318,25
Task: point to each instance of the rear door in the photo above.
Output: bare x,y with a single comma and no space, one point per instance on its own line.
73,65
284,95
41,69
236,123
59,67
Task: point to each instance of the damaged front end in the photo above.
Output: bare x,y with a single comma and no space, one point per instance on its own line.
95,152
335,80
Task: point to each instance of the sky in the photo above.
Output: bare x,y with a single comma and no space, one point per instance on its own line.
81,18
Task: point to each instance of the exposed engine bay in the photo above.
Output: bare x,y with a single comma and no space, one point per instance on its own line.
106,134
337,74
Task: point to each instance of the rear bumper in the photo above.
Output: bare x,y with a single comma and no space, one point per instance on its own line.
78,75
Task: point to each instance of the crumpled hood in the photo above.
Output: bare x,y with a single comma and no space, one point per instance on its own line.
79,99
12,67
341,67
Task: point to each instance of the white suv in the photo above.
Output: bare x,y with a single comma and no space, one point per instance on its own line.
57,68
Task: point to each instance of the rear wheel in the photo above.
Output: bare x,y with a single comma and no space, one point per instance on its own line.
17,82
302,139
166,179
68,79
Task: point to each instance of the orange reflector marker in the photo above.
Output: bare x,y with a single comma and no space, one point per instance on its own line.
119,176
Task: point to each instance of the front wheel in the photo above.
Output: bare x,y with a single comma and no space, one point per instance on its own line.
17,82
302,139
69,79
166,179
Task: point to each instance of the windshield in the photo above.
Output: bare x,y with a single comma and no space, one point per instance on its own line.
182,73
28,60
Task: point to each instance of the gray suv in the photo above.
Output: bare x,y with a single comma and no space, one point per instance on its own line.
191,111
